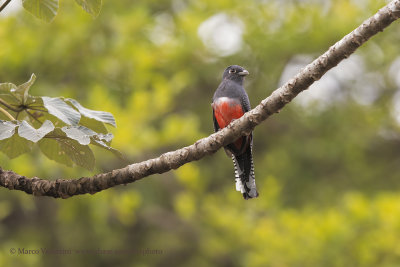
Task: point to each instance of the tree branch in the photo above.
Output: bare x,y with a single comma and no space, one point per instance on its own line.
4,5
206,146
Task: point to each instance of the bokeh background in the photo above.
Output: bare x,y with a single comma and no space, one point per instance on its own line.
327,166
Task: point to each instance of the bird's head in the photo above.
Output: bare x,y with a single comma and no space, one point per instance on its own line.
235,73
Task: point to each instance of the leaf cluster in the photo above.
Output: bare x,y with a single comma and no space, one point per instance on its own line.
61,127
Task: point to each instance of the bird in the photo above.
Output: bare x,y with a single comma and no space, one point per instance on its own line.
230,102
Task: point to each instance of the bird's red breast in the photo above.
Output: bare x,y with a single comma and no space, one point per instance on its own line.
225,110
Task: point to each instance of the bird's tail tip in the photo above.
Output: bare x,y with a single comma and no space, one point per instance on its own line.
249,190
244,176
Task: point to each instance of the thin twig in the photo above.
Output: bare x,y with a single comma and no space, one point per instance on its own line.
7,114
37,109
55,136
4,5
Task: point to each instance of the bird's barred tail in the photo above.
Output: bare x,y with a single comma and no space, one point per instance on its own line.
244,174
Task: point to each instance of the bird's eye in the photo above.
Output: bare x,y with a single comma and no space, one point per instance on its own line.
232,71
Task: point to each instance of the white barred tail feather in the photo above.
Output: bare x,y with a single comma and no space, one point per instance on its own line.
244,174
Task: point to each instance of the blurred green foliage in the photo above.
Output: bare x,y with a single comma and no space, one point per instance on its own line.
46,10
327,171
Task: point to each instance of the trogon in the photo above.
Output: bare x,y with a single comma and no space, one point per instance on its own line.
230,102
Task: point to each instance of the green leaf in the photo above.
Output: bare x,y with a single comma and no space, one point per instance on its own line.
11,99
28,132
15,146
22,91
102,116
12,102
81,155
42,9
78,133
105,146
98,136
58,108
7,87
7,129
52,149
83,134
92,7
105,137
93,124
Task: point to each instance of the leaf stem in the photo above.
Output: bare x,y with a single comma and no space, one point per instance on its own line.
7,114
38,109
4,5
55,136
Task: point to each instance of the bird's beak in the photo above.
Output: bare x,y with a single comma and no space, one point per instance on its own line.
243,73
